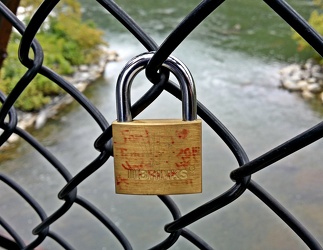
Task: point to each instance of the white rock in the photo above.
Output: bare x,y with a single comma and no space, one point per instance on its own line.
290,69
41,119
311,80
305,74
309,63
307,94
81,86
317,75
316,68
81,76
314,88
26,120
83,68
302,84
290,85
13,138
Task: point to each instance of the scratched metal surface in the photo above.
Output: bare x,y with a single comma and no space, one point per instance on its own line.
176,229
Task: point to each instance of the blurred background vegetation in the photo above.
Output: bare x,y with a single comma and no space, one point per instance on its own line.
316,21
68,46
65,47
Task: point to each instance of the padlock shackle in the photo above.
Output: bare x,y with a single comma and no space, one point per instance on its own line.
137,64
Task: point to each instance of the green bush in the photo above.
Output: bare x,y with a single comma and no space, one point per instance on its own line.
316,21
67,41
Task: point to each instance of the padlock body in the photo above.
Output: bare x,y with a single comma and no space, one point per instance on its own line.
158,157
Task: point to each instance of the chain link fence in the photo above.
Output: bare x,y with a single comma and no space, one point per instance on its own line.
177,229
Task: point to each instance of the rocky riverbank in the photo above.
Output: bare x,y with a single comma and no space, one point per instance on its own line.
83,76
307,79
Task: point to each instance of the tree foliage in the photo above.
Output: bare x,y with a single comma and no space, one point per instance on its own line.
316,21
67,41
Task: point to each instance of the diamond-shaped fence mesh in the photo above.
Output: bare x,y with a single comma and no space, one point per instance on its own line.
10,237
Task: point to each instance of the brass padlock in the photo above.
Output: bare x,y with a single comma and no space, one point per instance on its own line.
155,156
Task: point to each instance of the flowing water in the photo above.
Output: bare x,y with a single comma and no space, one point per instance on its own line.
235,57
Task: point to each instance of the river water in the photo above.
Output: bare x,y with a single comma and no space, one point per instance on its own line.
234,57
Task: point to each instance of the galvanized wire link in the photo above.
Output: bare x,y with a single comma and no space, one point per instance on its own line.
159,77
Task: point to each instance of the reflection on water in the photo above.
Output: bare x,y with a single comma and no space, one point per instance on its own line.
236,73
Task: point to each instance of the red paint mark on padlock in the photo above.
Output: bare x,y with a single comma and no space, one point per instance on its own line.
129,166
130,137
186,155
189,181
121,181
182,134
188,152
183,164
